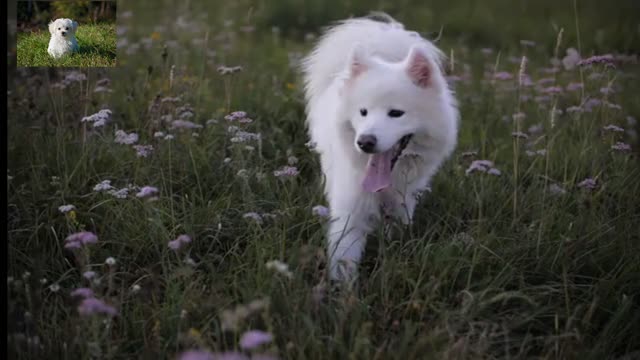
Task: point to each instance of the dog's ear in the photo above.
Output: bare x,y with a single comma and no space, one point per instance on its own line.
52,27
420,67
74,25
358,61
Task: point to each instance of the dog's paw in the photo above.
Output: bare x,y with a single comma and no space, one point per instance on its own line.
343,271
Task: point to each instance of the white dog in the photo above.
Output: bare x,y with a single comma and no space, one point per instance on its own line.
383,119
63,37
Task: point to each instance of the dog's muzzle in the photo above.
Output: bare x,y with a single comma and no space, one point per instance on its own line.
400,146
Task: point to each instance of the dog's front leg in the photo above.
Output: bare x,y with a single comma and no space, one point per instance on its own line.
347,239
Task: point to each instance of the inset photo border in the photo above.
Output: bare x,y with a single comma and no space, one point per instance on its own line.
66,33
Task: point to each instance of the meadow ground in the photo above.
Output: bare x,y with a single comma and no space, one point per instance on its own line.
96,43
197,237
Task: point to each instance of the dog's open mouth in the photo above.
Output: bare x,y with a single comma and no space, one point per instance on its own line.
380,165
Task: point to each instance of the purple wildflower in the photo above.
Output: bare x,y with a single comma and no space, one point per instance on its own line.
77,240
535,129
179,242
184,124
620,146
574,86
126,139
89,274
103,186
236,115
502,75
147,191
494,171
606,59
253,215
143,150
82,292
74,75
553,90
98,119
611,105
613,128
91,306
254,338
321,211
280,267
546,81
587,183
119,194
542,99
244,136
482,166
66,208
556,189
606,90
572,59
286,171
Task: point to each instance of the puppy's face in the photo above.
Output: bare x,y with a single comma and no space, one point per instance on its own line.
65,28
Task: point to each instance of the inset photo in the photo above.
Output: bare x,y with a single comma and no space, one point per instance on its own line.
69,33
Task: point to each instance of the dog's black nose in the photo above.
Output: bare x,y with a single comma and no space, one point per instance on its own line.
367,143
64,33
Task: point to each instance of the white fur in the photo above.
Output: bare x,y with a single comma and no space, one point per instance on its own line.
362,63
63,37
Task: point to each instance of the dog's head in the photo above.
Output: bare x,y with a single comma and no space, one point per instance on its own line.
65,28
386,102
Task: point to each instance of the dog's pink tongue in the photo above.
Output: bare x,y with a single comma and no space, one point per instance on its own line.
378,176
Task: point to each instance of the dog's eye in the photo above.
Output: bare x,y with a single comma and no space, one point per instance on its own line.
363,112
59,28
395,113
66,28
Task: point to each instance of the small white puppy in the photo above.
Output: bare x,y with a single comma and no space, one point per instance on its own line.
63,37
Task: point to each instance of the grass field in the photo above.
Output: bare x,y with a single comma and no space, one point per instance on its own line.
540,261
96,43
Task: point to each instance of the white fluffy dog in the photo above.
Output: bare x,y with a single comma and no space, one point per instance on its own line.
383,119
63,37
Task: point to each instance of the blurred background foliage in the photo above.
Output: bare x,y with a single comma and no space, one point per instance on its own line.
603,25
32,14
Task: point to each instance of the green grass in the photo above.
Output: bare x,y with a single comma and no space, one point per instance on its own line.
493,267
96,43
